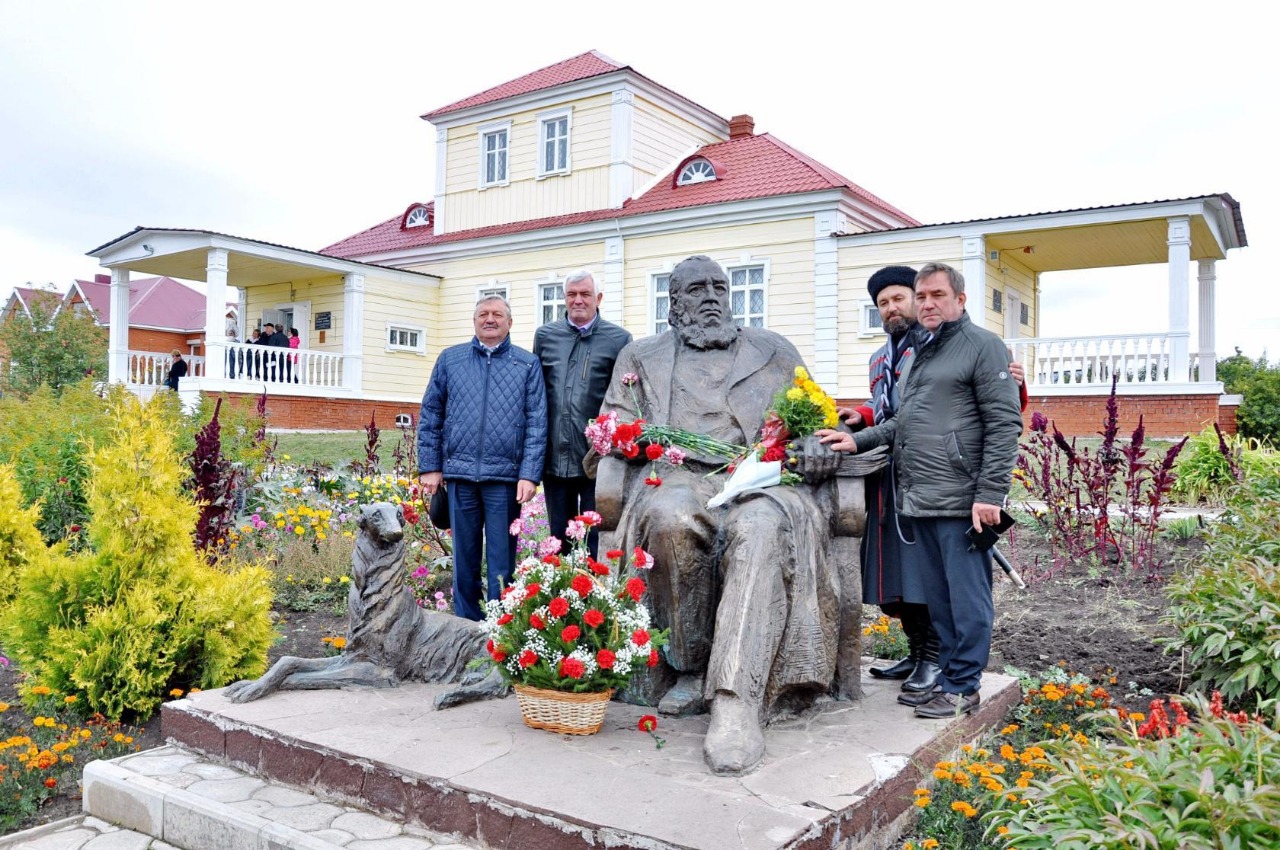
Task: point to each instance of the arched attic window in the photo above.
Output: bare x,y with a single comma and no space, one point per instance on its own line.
697,170
417,216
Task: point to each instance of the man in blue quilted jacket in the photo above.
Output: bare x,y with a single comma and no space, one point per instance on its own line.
483,429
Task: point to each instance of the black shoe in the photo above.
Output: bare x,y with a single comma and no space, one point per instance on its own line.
944,705
901,670
923,677
914,699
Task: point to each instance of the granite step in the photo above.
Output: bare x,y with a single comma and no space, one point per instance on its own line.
174,797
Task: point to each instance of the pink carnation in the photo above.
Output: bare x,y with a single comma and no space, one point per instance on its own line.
577,530
600,432
629,378
674,456
517,527
591,518
549,546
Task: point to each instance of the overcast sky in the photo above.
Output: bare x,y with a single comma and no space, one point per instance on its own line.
297,122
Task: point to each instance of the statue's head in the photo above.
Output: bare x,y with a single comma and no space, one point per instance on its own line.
700,312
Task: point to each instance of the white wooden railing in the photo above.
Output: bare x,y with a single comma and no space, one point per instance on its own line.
1092,361
299,367
150,368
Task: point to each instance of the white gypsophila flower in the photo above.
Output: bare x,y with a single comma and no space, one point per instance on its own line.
588,659
535,640
511,601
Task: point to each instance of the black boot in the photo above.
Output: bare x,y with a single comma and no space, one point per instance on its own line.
926,671
904,668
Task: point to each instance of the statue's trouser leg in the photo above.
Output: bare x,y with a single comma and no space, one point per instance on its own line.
753,609
681,536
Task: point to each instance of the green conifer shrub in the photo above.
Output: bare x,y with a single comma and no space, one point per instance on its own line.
138,613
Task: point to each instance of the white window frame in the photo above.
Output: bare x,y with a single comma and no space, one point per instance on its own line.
746,264
544,120
485,131
867,309
653,300
492,288
424,217
556,303
401,327
690,176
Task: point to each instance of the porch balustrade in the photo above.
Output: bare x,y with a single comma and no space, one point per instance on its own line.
258,364
150,368
1092,361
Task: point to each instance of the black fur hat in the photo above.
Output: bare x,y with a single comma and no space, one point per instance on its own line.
891,276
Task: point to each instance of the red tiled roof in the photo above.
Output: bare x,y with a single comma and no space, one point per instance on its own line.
154,302
753,166
580,67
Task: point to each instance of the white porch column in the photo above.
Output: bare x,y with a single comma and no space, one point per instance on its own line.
1208,285
621,145
611,282
973,253
215,314
353,332
1179,298
242,310
118,330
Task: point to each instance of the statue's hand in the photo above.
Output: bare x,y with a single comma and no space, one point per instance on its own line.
815,461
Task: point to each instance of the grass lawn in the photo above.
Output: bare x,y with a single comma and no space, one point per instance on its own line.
335,449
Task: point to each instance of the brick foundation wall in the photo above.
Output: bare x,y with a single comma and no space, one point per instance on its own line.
141,339
325,413
1164,416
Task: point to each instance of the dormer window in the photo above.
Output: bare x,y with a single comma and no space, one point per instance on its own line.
418,217
698,170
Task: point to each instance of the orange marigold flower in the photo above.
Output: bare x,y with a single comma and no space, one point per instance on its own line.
51,783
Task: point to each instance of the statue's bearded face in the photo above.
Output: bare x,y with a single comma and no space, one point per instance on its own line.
700,311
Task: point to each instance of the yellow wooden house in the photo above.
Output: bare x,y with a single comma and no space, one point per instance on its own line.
590,164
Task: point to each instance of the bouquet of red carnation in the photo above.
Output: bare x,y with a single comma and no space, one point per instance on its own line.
572,623
664,443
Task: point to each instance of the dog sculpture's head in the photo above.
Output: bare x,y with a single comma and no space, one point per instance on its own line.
383,522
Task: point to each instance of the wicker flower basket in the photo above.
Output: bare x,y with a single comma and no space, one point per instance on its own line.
559,711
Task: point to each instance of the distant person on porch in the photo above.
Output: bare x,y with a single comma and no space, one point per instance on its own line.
483,428
295,342
177,370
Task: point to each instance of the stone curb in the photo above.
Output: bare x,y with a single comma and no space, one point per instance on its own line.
140,803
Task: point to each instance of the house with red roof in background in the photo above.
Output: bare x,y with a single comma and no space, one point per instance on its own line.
588,163
164,315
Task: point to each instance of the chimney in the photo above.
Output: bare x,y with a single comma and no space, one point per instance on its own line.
102,278
741,126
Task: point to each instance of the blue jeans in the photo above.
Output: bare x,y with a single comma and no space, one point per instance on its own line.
481,515
957,588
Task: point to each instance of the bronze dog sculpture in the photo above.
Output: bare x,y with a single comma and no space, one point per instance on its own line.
390,638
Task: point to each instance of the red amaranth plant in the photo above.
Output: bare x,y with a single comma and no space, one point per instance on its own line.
213,484
1083,516
371,465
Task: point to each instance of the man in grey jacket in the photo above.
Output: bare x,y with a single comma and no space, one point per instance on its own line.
955,441
577,354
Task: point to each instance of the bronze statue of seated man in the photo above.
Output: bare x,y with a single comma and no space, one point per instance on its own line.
750,591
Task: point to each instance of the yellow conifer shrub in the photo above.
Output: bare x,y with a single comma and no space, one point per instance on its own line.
20,542
139,613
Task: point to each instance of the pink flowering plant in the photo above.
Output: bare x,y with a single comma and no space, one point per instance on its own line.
661,443
570,622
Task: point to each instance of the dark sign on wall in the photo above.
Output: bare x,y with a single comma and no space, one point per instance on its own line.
324,321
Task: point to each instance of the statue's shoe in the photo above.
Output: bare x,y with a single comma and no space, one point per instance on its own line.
684,699
735,741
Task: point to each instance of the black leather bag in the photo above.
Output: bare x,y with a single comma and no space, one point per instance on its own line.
438,510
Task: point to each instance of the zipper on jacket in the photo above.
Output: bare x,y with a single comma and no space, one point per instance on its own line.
484,412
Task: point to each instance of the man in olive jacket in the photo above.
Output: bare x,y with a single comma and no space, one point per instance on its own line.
577,354
955,441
